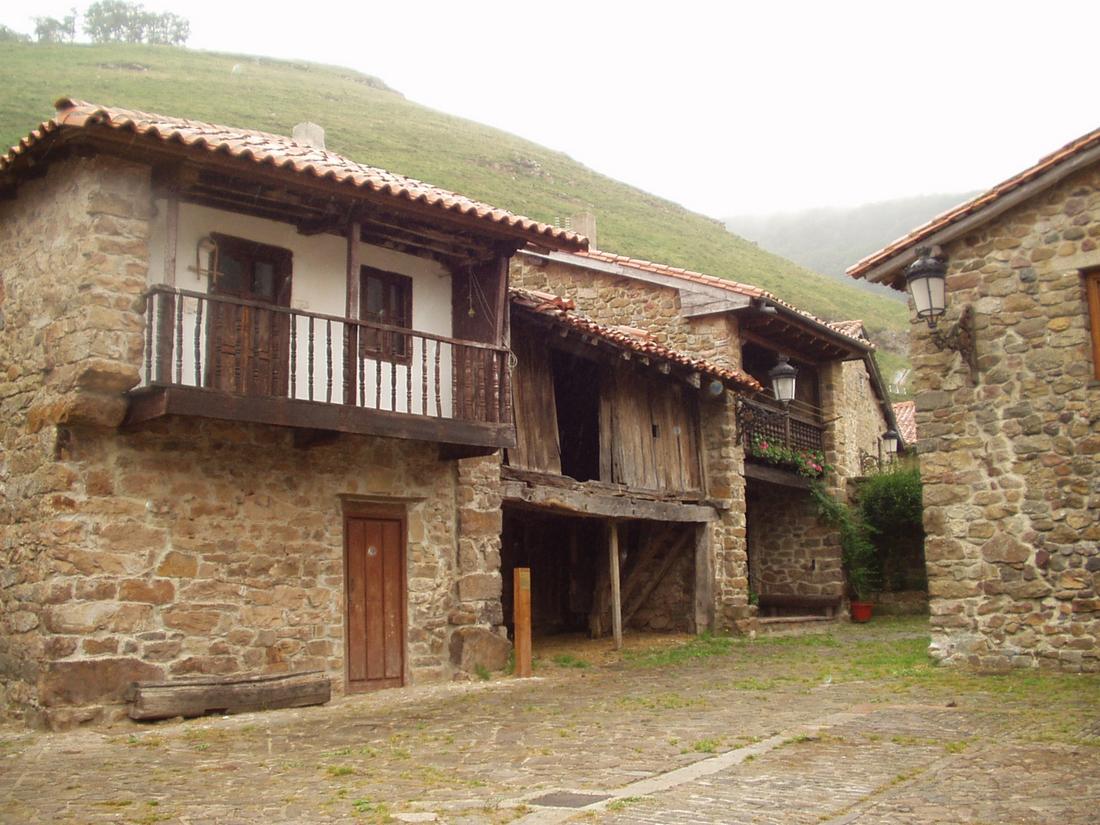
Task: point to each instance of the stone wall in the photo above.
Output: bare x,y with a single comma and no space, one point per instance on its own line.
862,424
791,552
202,547
1011,461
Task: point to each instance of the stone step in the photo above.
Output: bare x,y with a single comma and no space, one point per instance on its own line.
792,625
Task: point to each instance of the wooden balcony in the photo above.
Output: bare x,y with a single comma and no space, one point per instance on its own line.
795,428
221,357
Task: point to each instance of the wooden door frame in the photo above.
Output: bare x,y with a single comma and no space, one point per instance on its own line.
384,512
284,259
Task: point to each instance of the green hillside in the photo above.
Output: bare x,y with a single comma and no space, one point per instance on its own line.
365,120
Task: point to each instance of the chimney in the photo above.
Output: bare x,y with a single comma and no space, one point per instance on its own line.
584,223
309,134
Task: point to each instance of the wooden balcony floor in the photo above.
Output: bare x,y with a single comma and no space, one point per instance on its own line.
460,438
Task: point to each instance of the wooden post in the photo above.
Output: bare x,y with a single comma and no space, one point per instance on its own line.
351,310
616,596
521,609
172,224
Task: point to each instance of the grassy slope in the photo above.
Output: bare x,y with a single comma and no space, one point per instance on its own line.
373,125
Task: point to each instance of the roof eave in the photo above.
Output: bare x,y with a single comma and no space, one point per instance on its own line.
887,265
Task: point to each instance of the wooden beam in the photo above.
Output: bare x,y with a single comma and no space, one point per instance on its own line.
585,503
616,595
773,475
153,402
199,697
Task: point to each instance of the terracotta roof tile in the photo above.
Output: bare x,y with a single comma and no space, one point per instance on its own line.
976,204
710,280
281,153
905,412
853,329
561,311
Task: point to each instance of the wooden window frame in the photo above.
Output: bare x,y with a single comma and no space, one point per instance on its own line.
1092,298
387,351
252,251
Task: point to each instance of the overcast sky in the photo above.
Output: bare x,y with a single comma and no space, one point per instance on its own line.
726,108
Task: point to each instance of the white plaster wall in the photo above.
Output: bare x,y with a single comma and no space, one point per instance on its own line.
317,286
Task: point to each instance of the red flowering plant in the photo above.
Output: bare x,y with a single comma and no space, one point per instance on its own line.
807,463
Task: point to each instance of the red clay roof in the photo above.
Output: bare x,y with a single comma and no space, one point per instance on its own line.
853,329
976,204
562,311
284,154
905,412
722,283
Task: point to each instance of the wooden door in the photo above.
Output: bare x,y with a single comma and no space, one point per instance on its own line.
248,344
375,576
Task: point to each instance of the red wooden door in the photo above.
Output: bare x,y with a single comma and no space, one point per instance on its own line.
375,565
249,344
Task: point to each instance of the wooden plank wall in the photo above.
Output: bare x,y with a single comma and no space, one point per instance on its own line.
653,431
536,416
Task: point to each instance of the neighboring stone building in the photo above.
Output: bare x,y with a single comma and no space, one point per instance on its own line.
249,422
1008,410
771,534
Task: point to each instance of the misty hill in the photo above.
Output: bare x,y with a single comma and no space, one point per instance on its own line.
829,240
371,123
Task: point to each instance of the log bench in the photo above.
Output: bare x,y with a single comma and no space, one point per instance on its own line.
771,604
221,695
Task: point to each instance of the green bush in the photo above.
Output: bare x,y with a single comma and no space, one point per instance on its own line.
890,501
890,504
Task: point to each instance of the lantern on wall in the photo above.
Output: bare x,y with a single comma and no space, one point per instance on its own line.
926,280
890,441
783,376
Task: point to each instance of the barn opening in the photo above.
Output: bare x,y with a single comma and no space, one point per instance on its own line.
570,572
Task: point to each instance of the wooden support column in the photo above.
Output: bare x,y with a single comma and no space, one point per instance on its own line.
351,310
171,236
704,580
521,609
616,595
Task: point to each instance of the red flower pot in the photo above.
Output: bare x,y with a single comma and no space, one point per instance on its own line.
861,611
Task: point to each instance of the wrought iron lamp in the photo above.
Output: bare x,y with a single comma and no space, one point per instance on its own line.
926,279
890,441
783,376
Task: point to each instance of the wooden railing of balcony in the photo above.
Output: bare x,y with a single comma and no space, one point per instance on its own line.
251,349
794,427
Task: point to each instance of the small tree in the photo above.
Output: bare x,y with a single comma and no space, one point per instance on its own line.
52,30
116,21
8,35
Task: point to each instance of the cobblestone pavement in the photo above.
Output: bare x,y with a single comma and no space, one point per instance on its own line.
852,726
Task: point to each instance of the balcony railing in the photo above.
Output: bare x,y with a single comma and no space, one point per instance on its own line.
253,350
793,428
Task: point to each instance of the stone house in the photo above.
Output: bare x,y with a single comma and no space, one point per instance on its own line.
252,396
1008,411
774,548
